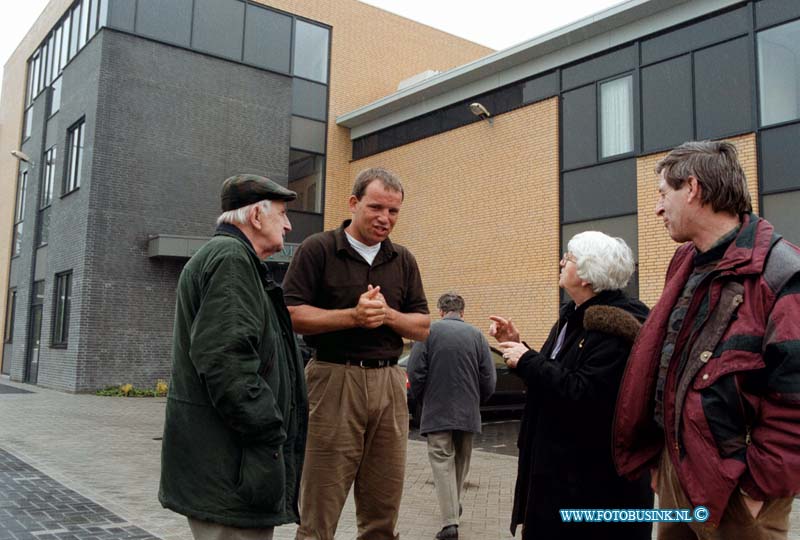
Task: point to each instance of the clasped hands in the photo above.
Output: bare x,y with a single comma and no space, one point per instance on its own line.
371,310
504,331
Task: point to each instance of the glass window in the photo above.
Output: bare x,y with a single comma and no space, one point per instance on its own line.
84,24
76,24
55,103
37,79
11,309
43,232
65,41
102,15
19,213
218,27
579,121
267,38
308,135
306,176
46,65
62,307
616,117
75,138
779,73
93,17
311,51
49,177
309,99
165,21
57,53
29,86
27,123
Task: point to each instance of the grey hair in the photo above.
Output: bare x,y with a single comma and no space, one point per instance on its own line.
389,180
450,302
239,216
603,261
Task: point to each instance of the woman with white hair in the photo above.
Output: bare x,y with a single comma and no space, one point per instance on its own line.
565,437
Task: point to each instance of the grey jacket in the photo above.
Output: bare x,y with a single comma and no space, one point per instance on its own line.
451,374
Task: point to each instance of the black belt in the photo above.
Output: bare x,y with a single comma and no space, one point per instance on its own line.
364,364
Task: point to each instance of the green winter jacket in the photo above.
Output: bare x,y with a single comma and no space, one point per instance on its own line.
237,408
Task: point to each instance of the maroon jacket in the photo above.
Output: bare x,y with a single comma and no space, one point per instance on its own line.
732,392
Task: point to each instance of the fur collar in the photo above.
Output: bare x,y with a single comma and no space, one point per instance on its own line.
611,320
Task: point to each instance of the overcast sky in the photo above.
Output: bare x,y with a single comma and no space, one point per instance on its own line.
498,24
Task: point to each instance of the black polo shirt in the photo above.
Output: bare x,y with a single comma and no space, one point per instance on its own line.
326,272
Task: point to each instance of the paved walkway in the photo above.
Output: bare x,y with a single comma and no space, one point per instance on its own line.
98,458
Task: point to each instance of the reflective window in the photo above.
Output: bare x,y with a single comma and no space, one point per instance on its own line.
779,73
62,307
75,138
76,23
19,213
49,177
218,27
93,17
781,210
27,123
11,310
306,176
65,56
267,38
55,103
84,27
616,117
309,99
311,51
57,53
308,135
165,21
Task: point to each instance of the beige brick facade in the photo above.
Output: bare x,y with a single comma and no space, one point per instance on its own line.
481,215
655,246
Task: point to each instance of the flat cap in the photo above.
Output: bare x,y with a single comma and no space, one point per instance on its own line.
243,189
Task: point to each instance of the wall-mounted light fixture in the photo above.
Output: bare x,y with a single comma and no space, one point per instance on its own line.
480,111
22,156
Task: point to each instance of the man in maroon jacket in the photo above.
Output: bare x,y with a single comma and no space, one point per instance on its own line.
710,399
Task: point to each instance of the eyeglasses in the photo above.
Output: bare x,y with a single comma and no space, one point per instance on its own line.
568,257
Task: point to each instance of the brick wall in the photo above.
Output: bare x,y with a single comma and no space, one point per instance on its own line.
655,246
481,215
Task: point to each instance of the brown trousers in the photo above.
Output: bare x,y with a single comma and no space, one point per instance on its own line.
357,432
772,522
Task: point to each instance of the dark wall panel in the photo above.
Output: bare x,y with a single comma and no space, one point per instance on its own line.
218,27
121,14
579,127
667,104
268,39
540,88
309,99
165,21
697,35
723,89
769,12
781,210
598,68
780,159
598,192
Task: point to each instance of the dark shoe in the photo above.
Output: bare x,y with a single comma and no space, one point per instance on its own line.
451,531
460,509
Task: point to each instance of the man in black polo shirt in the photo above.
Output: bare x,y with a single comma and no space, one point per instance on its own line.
354,295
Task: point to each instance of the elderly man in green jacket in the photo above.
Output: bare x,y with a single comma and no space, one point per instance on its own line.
237,408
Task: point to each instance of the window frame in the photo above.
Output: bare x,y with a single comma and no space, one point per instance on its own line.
72,170
61,309
19,212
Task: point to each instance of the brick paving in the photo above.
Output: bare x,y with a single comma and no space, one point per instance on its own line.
103,455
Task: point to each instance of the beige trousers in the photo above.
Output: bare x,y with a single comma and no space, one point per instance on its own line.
357,433
449,453
772,522
205,530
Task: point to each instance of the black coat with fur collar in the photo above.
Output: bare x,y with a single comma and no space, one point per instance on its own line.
565,437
